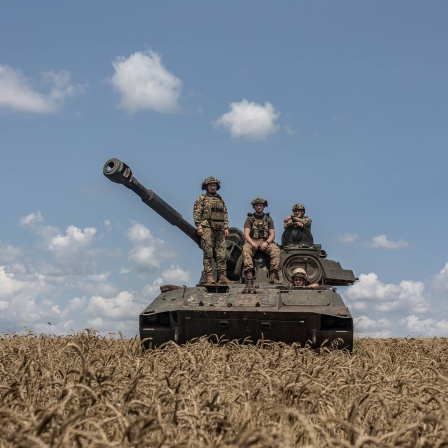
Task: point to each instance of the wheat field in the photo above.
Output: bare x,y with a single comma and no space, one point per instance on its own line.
88,390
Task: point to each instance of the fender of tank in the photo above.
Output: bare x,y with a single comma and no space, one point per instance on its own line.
247,311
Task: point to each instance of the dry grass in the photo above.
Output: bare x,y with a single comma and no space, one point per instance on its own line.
92,391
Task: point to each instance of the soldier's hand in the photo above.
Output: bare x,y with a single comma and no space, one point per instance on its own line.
299,224
200,232
287,218
254,246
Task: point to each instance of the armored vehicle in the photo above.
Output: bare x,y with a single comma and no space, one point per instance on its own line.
253,310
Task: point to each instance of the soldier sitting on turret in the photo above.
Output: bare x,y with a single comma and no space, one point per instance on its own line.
298,219
260,233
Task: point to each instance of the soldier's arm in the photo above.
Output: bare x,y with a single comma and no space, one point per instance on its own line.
226,216
305,221
197,213
288,222
271,237
248,238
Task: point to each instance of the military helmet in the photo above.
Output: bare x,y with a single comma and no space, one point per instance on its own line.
259,201
299,272
298,207
211,180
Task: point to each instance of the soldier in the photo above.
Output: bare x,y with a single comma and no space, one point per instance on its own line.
299,278
298,218
212,224
260,233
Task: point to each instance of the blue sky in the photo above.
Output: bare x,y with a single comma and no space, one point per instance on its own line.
339,105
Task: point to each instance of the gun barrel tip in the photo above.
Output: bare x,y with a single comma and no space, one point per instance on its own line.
109,166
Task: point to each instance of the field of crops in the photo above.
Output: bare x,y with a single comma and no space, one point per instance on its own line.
87,390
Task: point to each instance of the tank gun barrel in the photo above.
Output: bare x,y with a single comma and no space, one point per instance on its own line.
120,173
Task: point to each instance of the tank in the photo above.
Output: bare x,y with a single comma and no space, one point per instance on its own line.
248,311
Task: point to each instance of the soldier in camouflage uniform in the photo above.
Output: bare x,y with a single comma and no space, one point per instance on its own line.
300,278
260,233
212,224
298,218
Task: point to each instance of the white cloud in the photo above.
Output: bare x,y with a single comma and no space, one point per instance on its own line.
150,292
441,327
74,239
70,249
18,280
35,221
63,284
138,233
76,303
122,306
418,325
347,238
32,219
20,290
440,280
7,284
370,293
381,241
249,120
18,94
144,83
176,275
375,328
148,252
3,305
9,253
96,284
96,322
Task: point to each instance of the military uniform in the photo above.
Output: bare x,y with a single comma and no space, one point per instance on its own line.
259,232
305,220
292,219
210,215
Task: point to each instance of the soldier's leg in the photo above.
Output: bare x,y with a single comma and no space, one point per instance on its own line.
221,258
207,247
274,257
274,263
220,249
248,253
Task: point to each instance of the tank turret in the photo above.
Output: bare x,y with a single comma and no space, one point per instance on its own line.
248,310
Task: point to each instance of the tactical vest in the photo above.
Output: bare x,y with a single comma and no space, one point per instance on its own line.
214,211
259,227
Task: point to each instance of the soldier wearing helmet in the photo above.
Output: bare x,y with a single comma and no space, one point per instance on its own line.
260,233
212,224
298,218
300,278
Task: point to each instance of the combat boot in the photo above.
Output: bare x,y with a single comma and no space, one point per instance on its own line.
209,280
273,278
223,280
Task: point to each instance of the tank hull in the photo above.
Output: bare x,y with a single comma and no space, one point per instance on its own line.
316,317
